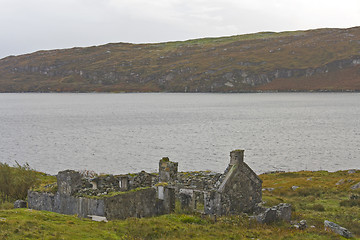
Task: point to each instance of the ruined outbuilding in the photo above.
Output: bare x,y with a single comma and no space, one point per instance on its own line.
235,191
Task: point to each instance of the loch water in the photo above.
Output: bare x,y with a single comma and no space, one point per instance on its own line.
130,132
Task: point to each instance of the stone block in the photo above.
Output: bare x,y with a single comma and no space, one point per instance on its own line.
275,213
68,181
20,204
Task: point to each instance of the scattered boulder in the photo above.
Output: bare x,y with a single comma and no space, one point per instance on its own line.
356,186
294,187
337,229
340,182
302,225
98,218
351,171
275,213
20,204
268,189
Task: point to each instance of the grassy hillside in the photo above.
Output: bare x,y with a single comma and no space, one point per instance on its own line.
322,59
321,196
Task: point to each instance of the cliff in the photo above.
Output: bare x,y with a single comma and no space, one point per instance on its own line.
313,60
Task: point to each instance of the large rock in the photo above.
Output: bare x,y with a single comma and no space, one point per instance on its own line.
337,229
356,186
275,213
20,204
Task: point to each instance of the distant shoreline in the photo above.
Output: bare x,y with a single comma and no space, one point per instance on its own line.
279,91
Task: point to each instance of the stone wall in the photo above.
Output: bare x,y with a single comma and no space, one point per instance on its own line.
65,204
141,203
73,196
200,180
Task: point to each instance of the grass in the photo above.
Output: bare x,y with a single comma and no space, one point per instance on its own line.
31,224
318,198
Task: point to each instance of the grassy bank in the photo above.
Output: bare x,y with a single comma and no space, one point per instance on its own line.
318,196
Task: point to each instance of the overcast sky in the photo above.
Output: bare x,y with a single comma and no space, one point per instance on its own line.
31,25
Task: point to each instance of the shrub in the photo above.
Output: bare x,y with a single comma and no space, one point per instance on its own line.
350,203
6,205
16,181
318,207
304,192
190,219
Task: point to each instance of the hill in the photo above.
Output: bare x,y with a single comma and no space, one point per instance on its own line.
313,60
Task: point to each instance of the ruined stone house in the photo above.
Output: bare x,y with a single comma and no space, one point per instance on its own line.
235,191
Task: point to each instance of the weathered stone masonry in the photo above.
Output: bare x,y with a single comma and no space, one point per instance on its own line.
143,202
235,191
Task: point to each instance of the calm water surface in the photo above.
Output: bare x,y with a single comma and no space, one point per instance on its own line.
120,133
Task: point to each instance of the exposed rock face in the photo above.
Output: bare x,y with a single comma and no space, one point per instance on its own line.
229,79
356,186
337,229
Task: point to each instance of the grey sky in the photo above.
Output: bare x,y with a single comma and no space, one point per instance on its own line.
31,25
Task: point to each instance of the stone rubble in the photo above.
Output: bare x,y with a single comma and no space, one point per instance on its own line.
20,204
302,225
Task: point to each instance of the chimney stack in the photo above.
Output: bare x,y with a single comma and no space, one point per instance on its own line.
236,157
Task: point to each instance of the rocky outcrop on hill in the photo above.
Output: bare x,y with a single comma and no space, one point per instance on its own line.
289,61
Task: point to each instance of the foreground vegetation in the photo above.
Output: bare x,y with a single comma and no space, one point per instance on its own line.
318,196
